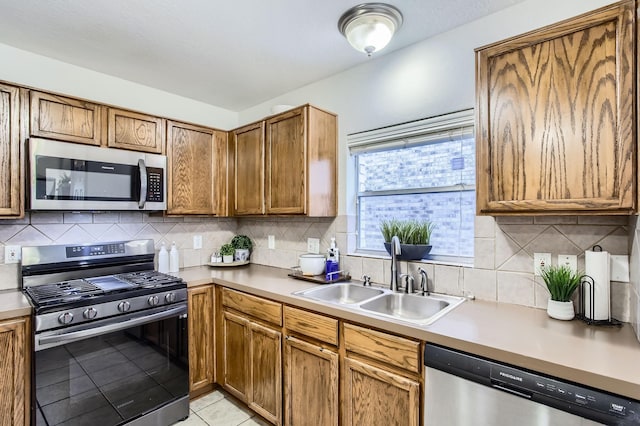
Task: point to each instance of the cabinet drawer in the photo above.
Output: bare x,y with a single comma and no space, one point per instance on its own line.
390,349
313,325
251,305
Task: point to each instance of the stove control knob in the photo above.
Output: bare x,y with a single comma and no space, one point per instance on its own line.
124,306
170,298
153,300
65,318
90,313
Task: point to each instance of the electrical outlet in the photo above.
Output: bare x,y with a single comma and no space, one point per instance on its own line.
271,241
313,245
570,260
197,242
11,254
619,268
541,260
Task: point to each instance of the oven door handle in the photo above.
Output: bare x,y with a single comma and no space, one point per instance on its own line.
143,183
63,338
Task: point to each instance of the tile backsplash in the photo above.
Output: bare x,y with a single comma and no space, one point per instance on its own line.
502,270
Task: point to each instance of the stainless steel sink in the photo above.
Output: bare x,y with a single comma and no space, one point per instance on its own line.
414,308
342,294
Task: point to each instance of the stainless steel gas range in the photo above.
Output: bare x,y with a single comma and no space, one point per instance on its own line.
110,335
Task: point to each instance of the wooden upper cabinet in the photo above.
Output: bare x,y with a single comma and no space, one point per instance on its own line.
66,119
555,131
248,183
135,131
11,172
197,163
287,164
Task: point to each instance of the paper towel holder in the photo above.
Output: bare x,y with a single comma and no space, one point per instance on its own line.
587,284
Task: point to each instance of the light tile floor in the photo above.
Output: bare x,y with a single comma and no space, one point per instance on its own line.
220,409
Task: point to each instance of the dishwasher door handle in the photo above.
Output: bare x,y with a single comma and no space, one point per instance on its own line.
501,387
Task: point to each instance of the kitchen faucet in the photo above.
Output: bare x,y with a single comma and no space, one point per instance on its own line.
424,282
395,250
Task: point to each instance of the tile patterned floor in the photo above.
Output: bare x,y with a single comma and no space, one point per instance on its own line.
220,409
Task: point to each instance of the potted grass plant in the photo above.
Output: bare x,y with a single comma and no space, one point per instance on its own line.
414,235
561,282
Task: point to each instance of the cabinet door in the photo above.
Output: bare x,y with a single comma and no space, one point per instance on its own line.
14,372
556,121
248,146
134,131
376,396
11,182
310,384
235,355
201,339
266,372
286,163
197,162
66,119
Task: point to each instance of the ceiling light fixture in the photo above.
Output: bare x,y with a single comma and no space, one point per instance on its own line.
369,27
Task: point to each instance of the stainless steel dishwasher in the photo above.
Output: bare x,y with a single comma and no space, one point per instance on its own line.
463,389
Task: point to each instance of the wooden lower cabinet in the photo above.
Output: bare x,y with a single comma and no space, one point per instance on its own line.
265,353
252,364
15,369
311,384
235,356
201,339
374,396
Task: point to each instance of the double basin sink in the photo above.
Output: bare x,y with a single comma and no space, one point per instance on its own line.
414,308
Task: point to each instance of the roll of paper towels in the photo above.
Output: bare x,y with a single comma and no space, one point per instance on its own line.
596,265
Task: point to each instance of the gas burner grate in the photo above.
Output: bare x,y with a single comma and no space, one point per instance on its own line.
149,279
62,291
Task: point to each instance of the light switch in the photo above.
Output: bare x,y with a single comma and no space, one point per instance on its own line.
271,241
197,242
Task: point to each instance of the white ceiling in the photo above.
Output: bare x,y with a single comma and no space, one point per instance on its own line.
231,54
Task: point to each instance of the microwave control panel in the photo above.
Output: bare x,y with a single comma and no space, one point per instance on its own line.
155,180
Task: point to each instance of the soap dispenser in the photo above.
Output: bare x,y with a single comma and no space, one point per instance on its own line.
332,266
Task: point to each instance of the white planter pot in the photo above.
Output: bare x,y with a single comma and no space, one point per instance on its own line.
241,255
560,310
227,259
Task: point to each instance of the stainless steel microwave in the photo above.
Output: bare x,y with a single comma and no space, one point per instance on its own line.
66,176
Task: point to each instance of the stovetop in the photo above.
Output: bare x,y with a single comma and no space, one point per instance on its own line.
96,288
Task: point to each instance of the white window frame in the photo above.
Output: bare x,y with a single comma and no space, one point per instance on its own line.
451,126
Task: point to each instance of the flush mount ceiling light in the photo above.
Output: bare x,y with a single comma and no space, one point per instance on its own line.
369,27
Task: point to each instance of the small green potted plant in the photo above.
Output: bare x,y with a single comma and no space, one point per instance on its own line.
561,282
227,252
414,235
242,245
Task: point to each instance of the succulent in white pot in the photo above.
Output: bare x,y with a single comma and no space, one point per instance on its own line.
561,282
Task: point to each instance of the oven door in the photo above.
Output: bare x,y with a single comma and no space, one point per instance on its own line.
130,368
68,176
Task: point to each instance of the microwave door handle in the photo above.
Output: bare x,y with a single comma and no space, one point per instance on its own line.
143,183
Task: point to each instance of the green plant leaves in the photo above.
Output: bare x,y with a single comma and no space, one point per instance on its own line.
561,282
411,231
